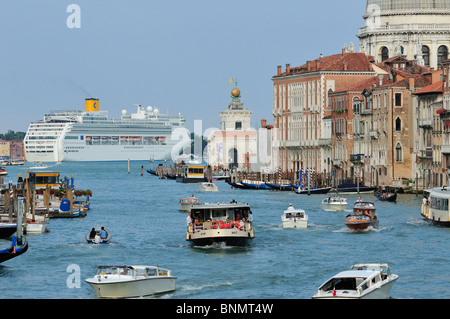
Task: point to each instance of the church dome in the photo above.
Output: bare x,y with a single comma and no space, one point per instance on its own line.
407,5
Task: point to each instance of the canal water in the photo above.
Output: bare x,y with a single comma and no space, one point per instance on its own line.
142,213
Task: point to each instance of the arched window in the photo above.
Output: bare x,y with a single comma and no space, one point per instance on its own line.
398,124
426,55
442,54
384,53
398,152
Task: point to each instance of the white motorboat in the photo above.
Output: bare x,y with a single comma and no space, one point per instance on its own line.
187,203
334,203
362,281
207,187
294,218
220,222
131,281
38,165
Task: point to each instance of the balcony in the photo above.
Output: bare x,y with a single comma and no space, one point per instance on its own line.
445,149
357,159
374,134
337,163
426,123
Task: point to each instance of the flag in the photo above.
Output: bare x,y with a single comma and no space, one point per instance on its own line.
334,291
231,80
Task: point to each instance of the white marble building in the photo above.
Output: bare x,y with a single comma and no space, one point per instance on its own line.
417,29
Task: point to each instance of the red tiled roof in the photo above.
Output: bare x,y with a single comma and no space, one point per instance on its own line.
339,62
432,88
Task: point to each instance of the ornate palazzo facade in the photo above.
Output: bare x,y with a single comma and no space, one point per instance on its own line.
416,29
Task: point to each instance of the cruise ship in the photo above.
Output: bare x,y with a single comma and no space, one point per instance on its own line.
91,135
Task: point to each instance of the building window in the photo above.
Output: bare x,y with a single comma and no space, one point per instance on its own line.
442,54
398,124
398,152
398,99
426,55
238,125
384,53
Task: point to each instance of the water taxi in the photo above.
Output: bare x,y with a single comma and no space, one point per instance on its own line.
435,206
131,281
187,203
220,222
334,203
362,281
294,218
363,216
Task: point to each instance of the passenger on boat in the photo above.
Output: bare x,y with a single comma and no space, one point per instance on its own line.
250,217
189,219
92,233
103,234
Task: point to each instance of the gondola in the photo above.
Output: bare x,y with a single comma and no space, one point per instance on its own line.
13,250
280,187
256,186
352,188
386,197
312,191
238,185
152,171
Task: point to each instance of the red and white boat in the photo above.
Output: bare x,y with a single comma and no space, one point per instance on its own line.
363,216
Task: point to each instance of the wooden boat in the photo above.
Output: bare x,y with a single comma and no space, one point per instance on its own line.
187,203
312,191
435,206
385,196
13,250
131,281
94,235
363,216
238,185
294,218
220,222
281,187
362,281
351,188
255,185
68,210
7,229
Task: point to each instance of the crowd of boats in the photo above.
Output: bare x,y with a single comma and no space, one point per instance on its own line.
42,196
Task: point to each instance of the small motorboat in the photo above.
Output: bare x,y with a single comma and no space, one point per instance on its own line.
334,203
294,218
207,187
13,250
386,196
3,171
187,203
131,281
67,209
363,216
98,235
38,165
362,281
312,191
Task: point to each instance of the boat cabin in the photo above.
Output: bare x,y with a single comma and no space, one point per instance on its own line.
132,271
436,206
43,179
220,212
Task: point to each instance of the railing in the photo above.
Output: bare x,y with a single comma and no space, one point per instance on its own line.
219,224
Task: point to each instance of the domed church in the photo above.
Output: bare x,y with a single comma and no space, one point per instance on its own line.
416,29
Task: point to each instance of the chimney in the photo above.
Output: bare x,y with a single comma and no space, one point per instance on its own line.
308,66
288,68
317,65
411,81
380,79
344,51
263,123
279,70
345,66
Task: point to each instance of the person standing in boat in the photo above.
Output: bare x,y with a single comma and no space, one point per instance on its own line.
189,219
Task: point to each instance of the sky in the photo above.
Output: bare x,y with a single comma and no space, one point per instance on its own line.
175,55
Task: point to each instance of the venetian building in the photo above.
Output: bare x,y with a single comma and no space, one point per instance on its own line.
416,29
237,144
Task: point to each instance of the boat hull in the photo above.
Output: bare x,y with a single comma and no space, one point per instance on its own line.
314,191
295,223
382,292
361,225
388,198
7,230
9,253
133,288
231,237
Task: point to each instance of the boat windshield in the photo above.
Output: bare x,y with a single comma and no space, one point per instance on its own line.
114,270
345,283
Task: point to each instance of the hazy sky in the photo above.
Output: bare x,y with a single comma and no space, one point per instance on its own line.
176,55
